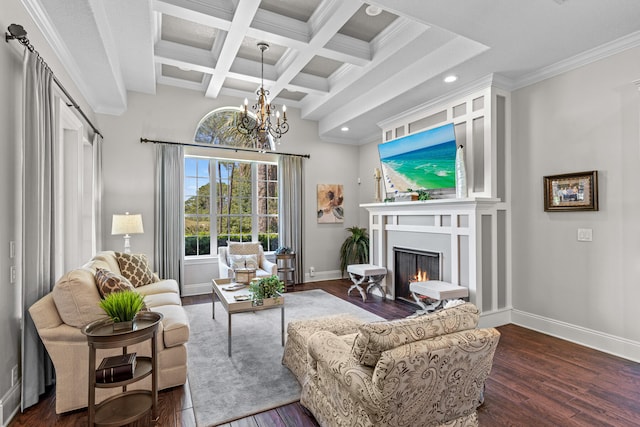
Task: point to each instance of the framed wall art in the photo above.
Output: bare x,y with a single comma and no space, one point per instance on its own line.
571,192
330,204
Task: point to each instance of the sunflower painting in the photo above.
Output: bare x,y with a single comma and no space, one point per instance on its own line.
330,200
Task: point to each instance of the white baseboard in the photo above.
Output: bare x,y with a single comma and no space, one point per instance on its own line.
196,289
601,341
10,404
322,275
495,318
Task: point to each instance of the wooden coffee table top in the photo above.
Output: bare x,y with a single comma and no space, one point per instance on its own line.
228,298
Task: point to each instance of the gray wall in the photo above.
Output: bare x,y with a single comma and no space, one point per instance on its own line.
173,115
582,120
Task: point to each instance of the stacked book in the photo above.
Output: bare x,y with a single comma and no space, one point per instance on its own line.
116,368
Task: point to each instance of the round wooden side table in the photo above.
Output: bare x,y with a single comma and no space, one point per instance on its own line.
128,406
287,268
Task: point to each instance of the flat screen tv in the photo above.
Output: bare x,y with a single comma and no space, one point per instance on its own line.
423,160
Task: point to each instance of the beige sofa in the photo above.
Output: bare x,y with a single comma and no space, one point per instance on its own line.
60,315
424,371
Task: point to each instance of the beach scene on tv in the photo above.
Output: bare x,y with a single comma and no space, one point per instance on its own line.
422,160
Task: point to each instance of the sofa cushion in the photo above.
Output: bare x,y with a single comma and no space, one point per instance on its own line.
77,298
164,298
135,267
109,282
109,258
160,287
175,324
376,337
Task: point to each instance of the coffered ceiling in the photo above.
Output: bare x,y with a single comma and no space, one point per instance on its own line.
329,58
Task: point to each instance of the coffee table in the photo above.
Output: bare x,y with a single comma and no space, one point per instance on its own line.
228,301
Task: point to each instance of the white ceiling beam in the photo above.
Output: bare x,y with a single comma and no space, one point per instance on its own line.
212,14
187,57
400,33
242,18
272,25
456,51
325,22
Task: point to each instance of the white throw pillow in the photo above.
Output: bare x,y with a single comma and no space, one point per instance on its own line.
244,261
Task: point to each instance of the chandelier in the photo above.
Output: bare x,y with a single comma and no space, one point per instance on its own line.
260,126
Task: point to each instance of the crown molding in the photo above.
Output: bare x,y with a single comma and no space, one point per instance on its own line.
587,57
490,80
43,22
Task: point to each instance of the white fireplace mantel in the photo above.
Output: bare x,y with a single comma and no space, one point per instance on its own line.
470,232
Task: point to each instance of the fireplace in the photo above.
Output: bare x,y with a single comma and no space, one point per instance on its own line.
411,265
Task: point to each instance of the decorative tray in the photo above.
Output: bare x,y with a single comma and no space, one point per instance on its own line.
233,287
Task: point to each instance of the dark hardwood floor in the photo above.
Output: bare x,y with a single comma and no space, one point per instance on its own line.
536,380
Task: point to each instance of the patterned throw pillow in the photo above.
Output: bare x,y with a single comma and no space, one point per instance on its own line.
244,261
374,338
243,248
109,282
135,267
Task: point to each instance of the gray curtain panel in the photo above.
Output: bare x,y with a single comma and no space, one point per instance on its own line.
169,221
97,193
290,208
37,219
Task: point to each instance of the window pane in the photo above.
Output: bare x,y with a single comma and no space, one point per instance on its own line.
190,187
272,206
203,168
203,205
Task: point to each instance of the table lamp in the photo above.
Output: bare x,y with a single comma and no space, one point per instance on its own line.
127,224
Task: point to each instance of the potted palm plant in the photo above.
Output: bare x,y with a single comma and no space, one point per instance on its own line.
122,308
355,249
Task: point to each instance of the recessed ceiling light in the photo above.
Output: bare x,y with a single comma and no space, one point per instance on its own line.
373,10
450,79
344,129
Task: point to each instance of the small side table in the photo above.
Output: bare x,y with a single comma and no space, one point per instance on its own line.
436,292
127,406
287,269
360,272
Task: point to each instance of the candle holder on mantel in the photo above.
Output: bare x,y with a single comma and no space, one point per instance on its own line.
378,198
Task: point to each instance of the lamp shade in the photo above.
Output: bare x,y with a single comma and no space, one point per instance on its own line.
127,224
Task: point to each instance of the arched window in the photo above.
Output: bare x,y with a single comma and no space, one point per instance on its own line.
219,128
228,199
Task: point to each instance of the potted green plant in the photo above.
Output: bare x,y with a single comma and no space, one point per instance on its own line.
122,308
422,194
267,287
355,249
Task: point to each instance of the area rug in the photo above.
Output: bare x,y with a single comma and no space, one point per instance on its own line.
253,379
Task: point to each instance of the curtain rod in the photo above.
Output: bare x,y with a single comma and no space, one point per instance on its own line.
221,147
17,32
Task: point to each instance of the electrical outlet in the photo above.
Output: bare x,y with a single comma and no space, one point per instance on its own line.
14,375
585,235
312,271
12,274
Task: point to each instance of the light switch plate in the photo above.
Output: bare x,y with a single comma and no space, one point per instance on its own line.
585,235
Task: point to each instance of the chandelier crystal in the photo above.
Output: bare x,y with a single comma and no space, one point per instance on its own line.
266,125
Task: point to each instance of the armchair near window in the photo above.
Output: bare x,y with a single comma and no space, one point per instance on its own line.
241,255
